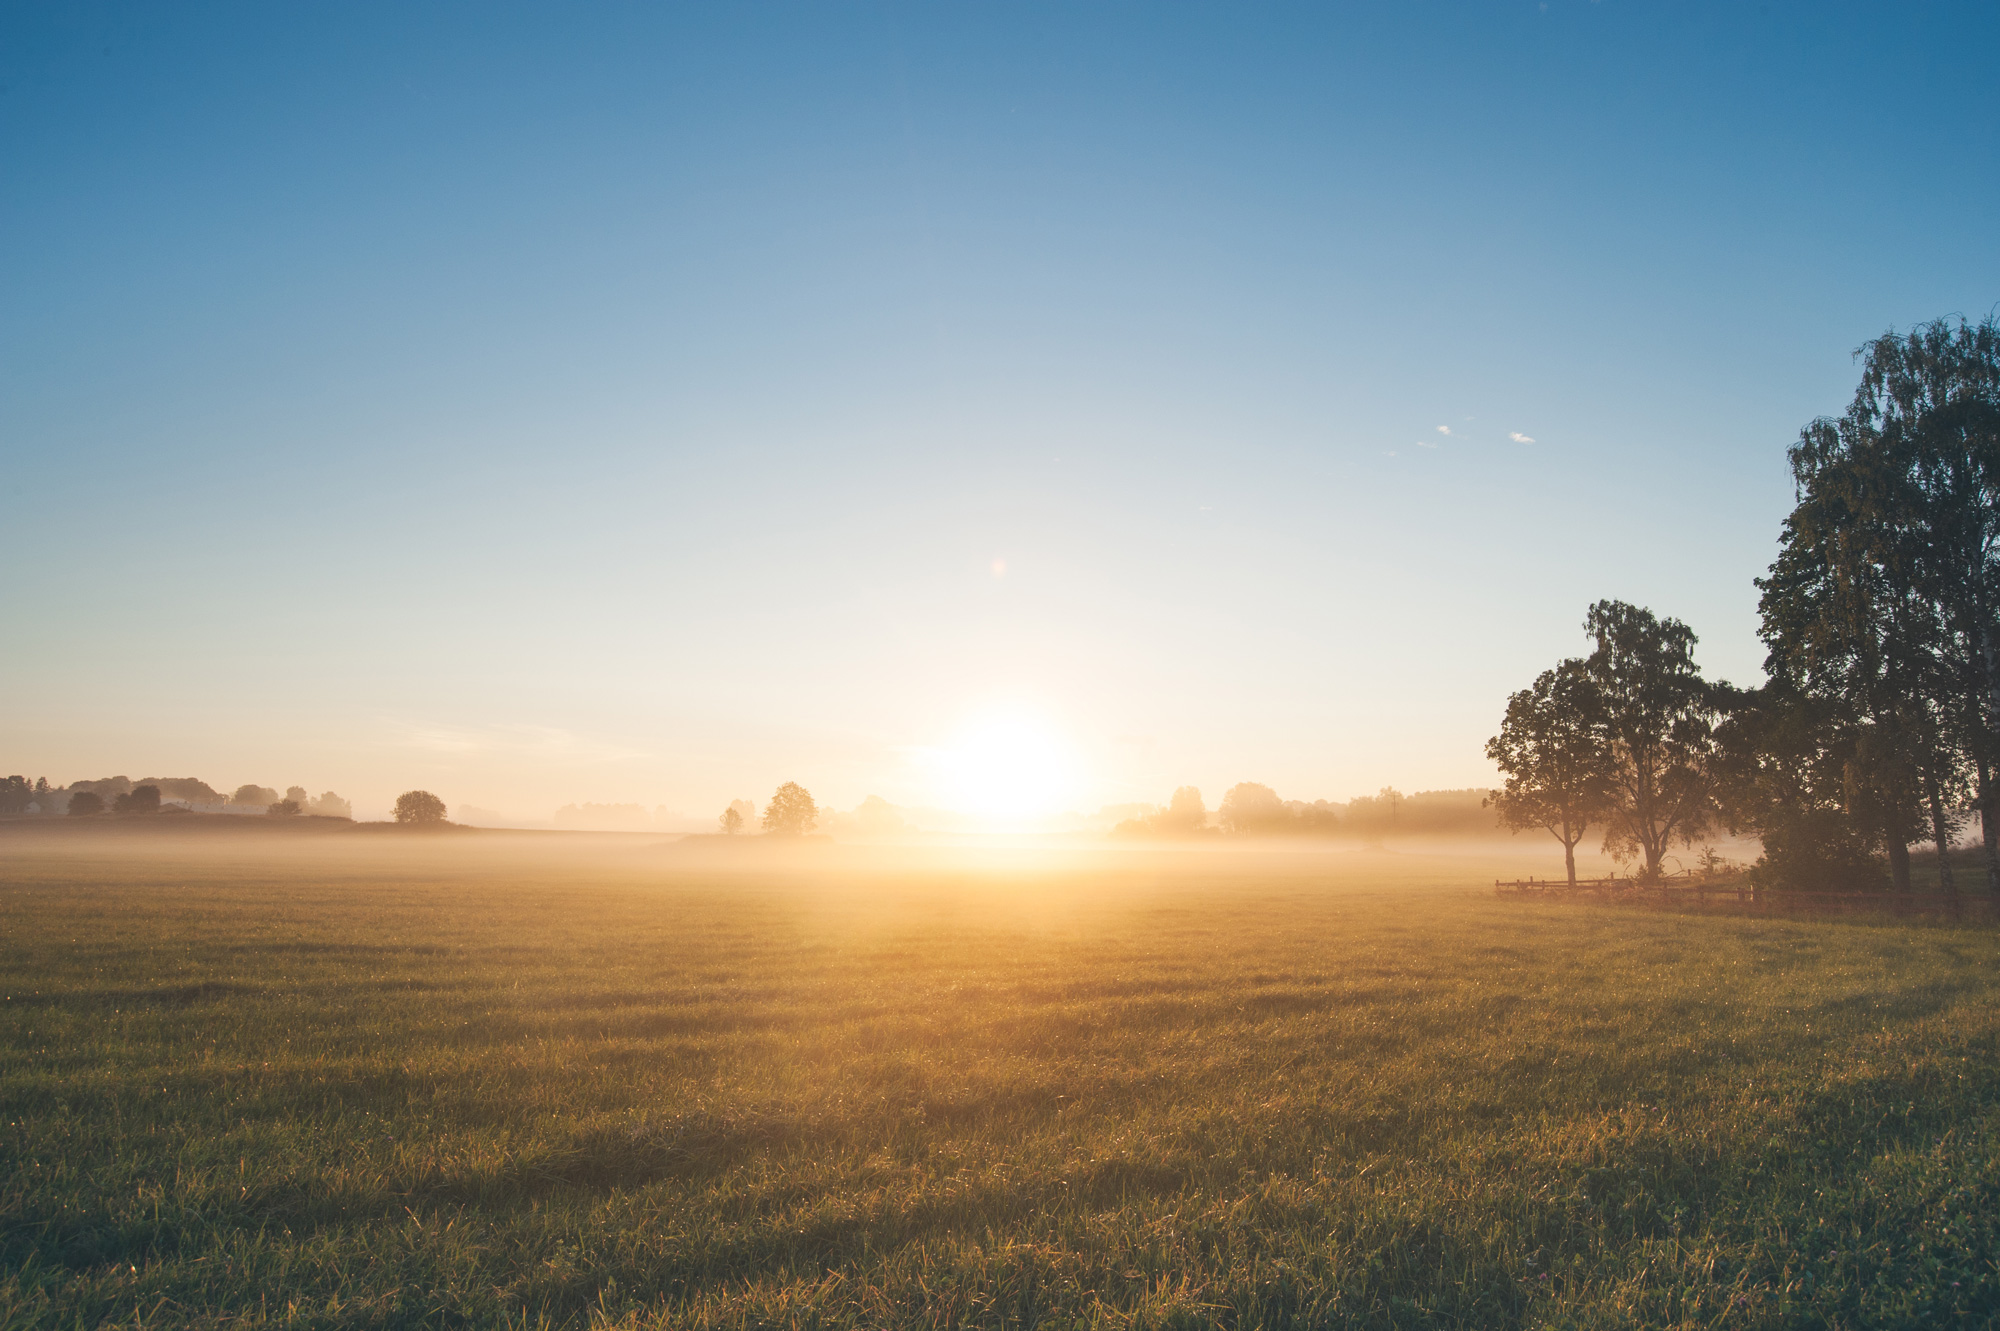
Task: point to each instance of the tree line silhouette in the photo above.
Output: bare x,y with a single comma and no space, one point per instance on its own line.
1878,724
1251,809
155,794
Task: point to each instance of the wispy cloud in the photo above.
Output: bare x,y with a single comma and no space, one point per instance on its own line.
1426,443
1444,429
1520,438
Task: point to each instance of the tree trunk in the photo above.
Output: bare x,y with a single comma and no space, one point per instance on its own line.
1654,854
1941,833
1989,833
1989,827
1899,862
1569,861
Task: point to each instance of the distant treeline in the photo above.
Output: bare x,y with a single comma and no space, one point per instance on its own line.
1253,810
120,795
1879,721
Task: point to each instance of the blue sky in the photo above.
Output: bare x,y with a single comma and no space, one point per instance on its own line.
656,404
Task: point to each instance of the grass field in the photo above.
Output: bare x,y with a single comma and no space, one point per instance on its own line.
528,1081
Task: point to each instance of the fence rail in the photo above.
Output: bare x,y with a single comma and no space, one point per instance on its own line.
1691,889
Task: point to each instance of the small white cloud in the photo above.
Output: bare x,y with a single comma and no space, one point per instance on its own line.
1426,443
1444,429
1520,438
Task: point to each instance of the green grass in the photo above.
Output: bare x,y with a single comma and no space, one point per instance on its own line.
530,1082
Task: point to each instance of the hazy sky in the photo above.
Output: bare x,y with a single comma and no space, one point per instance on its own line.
633,402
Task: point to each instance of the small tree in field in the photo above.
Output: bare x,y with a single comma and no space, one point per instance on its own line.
791,811
731,820
420,807
1552,750
85,804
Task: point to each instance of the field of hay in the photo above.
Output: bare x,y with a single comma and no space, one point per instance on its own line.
522,1080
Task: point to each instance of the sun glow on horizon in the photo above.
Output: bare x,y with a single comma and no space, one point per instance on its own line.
1007,765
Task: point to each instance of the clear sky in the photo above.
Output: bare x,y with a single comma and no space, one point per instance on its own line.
657,403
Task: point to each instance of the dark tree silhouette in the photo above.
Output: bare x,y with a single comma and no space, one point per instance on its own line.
85,804
15,794
1658,722
284,809
419,807
1884,598
1551,748
791,811
1788,768
139,799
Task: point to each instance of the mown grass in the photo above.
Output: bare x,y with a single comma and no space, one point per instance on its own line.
512,1084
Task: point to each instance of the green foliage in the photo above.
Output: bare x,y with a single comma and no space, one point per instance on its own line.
419,808
425,1093
791,811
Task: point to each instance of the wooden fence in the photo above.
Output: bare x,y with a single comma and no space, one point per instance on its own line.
1737,895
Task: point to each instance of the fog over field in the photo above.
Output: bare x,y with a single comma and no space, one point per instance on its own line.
1112,667
571,1080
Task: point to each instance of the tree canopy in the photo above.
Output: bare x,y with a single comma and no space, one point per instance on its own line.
1551,748
418,807
1879,721
1656,714
791,811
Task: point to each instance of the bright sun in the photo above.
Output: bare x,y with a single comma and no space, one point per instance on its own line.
1008,765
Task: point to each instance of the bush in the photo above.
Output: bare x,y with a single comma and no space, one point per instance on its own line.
85,804
1817,851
